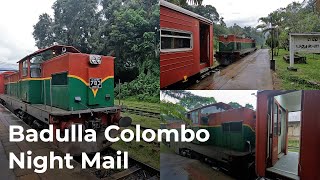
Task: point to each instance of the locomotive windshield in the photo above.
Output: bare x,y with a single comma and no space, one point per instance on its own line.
210,110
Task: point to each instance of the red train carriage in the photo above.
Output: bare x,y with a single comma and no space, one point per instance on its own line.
61,86
186,47
273,159
2,78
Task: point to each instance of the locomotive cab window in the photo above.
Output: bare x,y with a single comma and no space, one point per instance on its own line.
195,117
35,67
210,110
172,41
25,68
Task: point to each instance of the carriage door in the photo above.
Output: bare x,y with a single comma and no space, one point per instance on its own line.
204,44
275,125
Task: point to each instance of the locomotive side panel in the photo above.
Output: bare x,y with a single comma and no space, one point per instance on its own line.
3,81
12,85
232,129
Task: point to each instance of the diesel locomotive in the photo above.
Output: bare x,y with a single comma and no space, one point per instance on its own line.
231,145
61,86
232,48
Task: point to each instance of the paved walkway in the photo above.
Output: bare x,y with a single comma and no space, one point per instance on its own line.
251,72
175,167
38,149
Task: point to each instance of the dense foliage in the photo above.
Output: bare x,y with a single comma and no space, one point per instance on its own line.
236,105
189,100
170,111
295,18
126,29
186,101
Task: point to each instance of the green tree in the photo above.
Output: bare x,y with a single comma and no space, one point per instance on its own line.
236,30
126,29
249,106
171,111
207,11
188,100
43,33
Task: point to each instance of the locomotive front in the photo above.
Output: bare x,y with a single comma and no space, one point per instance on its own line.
60,86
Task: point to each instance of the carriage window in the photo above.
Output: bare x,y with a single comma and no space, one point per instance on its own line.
25,68
59,79
175,41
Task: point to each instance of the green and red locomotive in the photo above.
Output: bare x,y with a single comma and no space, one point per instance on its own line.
61,86
232,47
231,145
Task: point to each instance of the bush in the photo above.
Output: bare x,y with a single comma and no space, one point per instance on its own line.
143,88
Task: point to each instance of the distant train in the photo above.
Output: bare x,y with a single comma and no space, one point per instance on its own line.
232,137
232,48
186,48
61,86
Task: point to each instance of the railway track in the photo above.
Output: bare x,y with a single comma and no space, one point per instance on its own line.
142,112
136,169
210,71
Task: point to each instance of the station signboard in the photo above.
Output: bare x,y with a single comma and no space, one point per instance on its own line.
303,42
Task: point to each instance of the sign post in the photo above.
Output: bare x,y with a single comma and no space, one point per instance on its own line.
303,42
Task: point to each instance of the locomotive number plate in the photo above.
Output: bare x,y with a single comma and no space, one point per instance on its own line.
95,83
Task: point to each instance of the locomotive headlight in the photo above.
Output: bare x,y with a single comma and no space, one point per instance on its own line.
95,59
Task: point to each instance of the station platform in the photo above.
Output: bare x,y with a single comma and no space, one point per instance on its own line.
251,72
38,149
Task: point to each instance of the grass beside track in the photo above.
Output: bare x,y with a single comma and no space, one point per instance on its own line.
306,72
144,121
148,153
293,145
151,107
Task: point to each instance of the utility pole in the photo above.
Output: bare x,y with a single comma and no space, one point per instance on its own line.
272,61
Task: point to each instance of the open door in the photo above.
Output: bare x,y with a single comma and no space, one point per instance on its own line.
282,133
275,125
204,44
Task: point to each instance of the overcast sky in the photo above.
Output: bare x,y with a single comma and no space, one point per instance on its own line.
18,17
16,26
246,12
240,96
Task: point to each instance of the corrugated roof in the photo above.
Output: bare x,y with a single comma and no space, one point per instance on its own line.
73,49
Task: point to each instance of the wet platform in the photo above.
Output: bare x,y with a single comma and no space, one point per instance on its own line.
38,149
287,166
175,167
251,72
